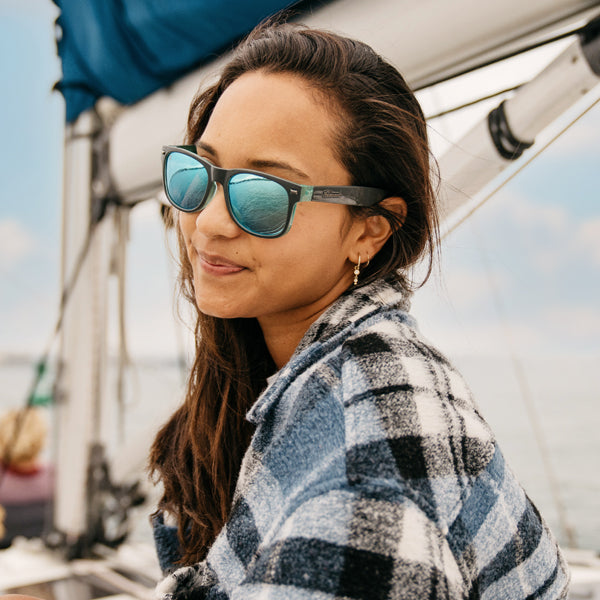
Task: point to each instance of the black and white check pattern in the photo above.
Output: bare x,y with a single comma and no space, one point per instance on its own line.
372,475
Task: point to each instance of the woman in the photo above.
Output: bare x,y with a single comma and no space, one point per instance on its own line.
324,449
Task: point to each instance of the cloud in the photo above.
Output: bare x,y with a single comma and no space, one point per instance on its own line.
542,258
468,288
15,243
514,210
550,237
553,219
473,327
465,337
28,323
582,322
580,139
543,231
588,239
555,331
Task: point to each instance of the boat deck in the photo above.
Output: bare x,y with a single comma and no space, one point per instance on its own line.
131,573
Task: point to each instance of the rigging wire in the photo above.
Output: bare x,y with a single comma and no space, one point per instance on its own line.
526,395
42,362
503,57
517,366
454,109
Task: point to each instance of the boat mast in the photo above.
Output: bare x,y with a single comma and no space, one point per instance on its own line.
500,138
83,344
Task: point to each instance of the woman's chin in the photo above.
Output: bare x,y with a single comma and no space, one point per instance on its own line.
219,310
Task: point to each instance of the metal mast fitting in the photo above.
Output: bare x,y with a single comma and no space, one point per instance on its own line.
88,506
590,44
508,146
491,145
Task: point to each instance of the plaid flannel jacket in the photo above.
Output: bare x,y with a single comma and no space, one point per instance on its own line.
371,475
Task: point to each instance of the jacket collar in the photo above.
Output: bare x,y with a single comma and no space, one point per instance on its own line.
352,307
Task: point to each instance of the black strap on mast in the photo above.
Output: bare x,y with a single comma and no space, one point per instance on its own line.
506,142
590,44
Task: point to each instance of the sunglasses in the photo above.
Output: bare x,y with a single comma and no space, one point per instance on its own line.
259,203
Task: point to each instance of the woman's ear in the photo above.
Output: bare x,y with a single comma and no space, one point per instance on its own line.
376,229
396,205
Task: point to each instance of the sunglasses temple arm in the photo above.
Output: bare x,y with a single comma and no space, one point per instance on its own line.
349,195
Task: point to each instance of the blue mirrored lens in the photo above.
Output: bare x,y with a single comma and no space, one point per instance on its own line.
186,181
258,204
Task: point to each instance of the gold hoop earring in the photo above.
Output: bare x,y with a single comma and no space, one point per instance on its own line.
357,271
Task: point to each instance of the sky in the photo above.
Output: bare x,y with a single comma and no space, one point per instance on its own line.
520,278
530,257
525,267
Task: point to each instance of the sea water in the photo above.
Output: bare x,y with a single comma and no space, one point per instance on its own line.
563,395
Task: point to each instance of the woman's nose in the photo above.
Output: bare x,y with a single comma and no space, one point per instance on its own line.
214,219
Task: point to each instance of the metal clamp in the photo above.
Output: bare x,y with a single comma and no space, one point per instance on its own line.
507,144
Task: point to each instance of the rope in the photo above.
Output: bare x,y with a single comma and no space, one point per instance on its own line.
179,337
124,362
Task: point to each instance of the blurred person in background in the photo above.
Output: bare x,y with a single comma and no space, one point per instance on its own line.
26,482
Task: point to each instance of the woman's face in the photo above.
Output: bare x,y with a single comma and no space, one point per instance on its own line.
277,124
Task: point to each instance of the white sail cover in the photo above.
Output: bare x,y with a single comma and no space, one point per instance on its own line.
428,41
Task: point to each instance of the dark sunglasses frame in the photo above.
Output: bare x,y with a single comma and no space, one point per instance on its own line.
350,195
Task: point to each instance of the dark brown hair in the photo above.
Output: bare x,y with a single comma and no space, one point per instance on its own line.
382,142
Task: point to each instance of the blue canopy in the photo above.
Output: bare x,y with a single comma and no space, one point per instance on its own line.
127,49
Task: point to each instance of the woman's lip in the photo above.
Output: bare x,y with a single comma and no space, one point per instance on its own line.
218,265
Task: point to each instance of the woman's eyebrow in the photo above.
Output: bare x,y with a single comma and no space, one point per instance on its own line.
257,164
260,164
207,148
